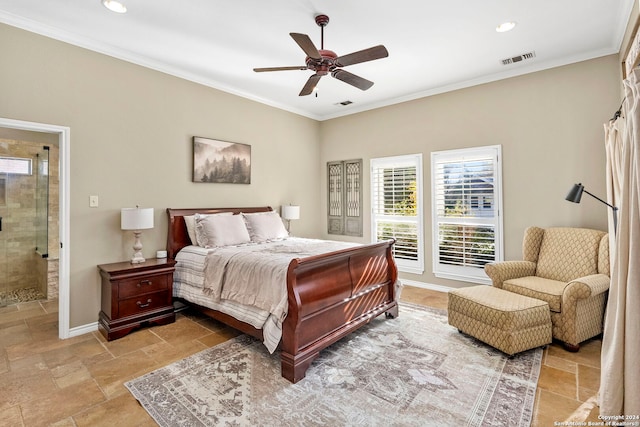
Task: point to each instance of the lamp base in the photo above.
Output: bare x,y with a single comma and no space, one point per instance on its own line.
137,259
137,249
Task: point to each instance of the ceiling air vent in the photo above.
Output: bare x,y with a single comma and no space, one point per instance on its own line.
344,103
528,55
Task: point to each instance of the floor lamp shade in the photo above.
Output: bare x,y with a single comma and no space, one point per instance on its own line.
575,194
136,219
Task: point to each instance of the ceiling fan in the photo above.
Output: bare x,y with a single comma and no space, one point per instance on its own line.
323,61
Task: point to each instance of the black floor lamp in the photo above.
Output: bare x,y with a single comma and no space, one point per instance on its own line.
576,194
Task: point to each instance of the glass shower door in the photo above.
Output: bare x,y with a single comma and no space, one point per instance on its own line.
42,203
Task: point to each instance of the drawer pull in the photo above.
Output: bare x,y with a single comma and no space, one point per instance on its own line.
141,305
145,282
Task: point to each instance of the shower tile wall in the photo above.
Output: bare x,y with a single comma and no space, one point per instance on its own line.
18,259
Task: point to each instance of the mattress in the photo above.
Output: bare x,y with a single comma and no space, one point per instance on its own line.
247,282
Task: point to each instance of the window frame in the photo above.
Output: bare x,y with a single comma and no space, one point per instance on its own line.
466,273
406,266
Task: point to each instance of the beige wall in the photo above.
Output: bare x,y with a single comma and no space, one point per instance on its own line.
550,126
131,131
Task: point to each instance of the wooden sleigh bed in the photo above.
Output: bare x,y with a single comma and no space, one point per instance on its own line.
329,295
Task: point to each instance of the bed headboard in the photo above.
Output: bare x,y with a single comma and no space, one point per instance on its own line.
177,237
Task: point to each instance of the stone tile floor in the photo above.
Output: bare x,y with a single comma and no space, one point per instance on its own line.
79,381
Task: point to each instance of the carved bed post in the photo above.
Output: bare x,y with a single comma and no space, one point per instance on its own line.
293,362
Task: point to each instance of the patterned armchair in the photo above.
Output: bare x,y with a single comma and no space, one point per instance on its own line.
569,269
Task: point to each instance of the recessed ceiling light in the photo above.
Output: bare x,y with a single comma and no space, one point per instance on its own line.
114,6
505,26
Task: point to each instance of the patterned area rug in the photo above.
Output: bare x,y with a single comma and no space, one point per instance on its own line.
414,370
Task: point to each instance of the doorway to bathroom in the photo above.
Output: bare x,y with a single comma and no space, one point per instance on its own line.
49,221
29,216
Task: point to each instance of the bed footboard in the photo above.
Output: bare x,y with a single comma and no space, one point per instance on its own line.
330,296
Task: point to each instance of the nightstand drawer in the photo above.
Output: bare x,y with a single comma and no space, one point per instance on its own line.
142,303
138,286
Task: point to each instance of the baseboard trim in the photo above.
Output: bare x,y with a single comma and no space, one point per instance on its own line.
425,285
84,329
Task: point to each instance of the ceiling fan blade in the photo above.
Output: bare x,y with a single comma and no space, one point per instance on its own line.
306,44
310,85
365,55
295,67
352,79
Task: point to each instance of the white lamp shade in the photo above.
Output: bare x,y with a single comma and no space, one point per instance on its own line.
290,212
136,218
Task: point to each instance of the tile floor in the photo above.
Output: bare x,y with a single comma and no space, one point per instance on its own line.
79,381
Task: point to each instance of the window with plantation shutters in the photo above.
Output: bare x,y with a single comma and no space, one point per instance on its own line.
396,204
467,205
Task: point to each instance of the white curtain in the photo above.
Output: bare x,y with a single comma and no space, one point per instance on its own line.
620,364
614,131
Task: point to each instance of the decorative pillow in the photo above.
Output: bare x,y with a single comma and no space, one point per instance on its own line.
221,230
264,226
190,222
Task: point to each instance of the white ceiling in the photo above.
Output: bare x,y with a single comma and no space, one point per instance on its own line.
434,46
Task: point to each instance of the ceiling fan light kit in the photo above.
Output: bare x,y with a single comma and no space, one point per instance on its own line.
323,61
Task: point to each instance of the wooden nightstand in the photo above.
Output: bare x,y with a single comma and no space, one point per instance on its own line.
134,295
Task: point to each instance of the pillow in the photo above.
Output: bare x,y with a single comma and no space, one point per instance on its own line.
221,230
190,222
264,226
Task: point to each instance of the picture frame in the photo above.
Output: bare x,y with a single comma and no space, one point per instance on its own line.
221,162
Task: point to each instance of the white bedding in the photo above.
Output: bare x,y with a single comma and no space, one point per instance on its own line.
247,281
260,319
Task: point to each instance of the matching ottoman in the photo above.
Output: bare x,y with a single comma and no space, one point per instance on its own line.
505,320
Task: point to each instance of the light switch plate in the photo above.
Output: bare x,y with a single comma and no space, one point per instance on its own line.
93,201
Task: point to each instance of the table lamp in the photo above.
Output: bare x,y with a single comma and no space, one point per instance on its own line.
290,212
136,219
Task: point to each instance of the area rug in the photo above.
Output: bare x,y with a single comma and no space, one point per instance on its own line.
414,370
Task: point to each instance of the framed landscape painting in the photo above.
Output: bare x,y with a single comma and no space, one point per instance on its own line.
221,162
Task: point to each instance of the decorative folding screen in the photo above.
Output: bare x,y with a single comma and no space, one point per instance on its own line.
344,193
